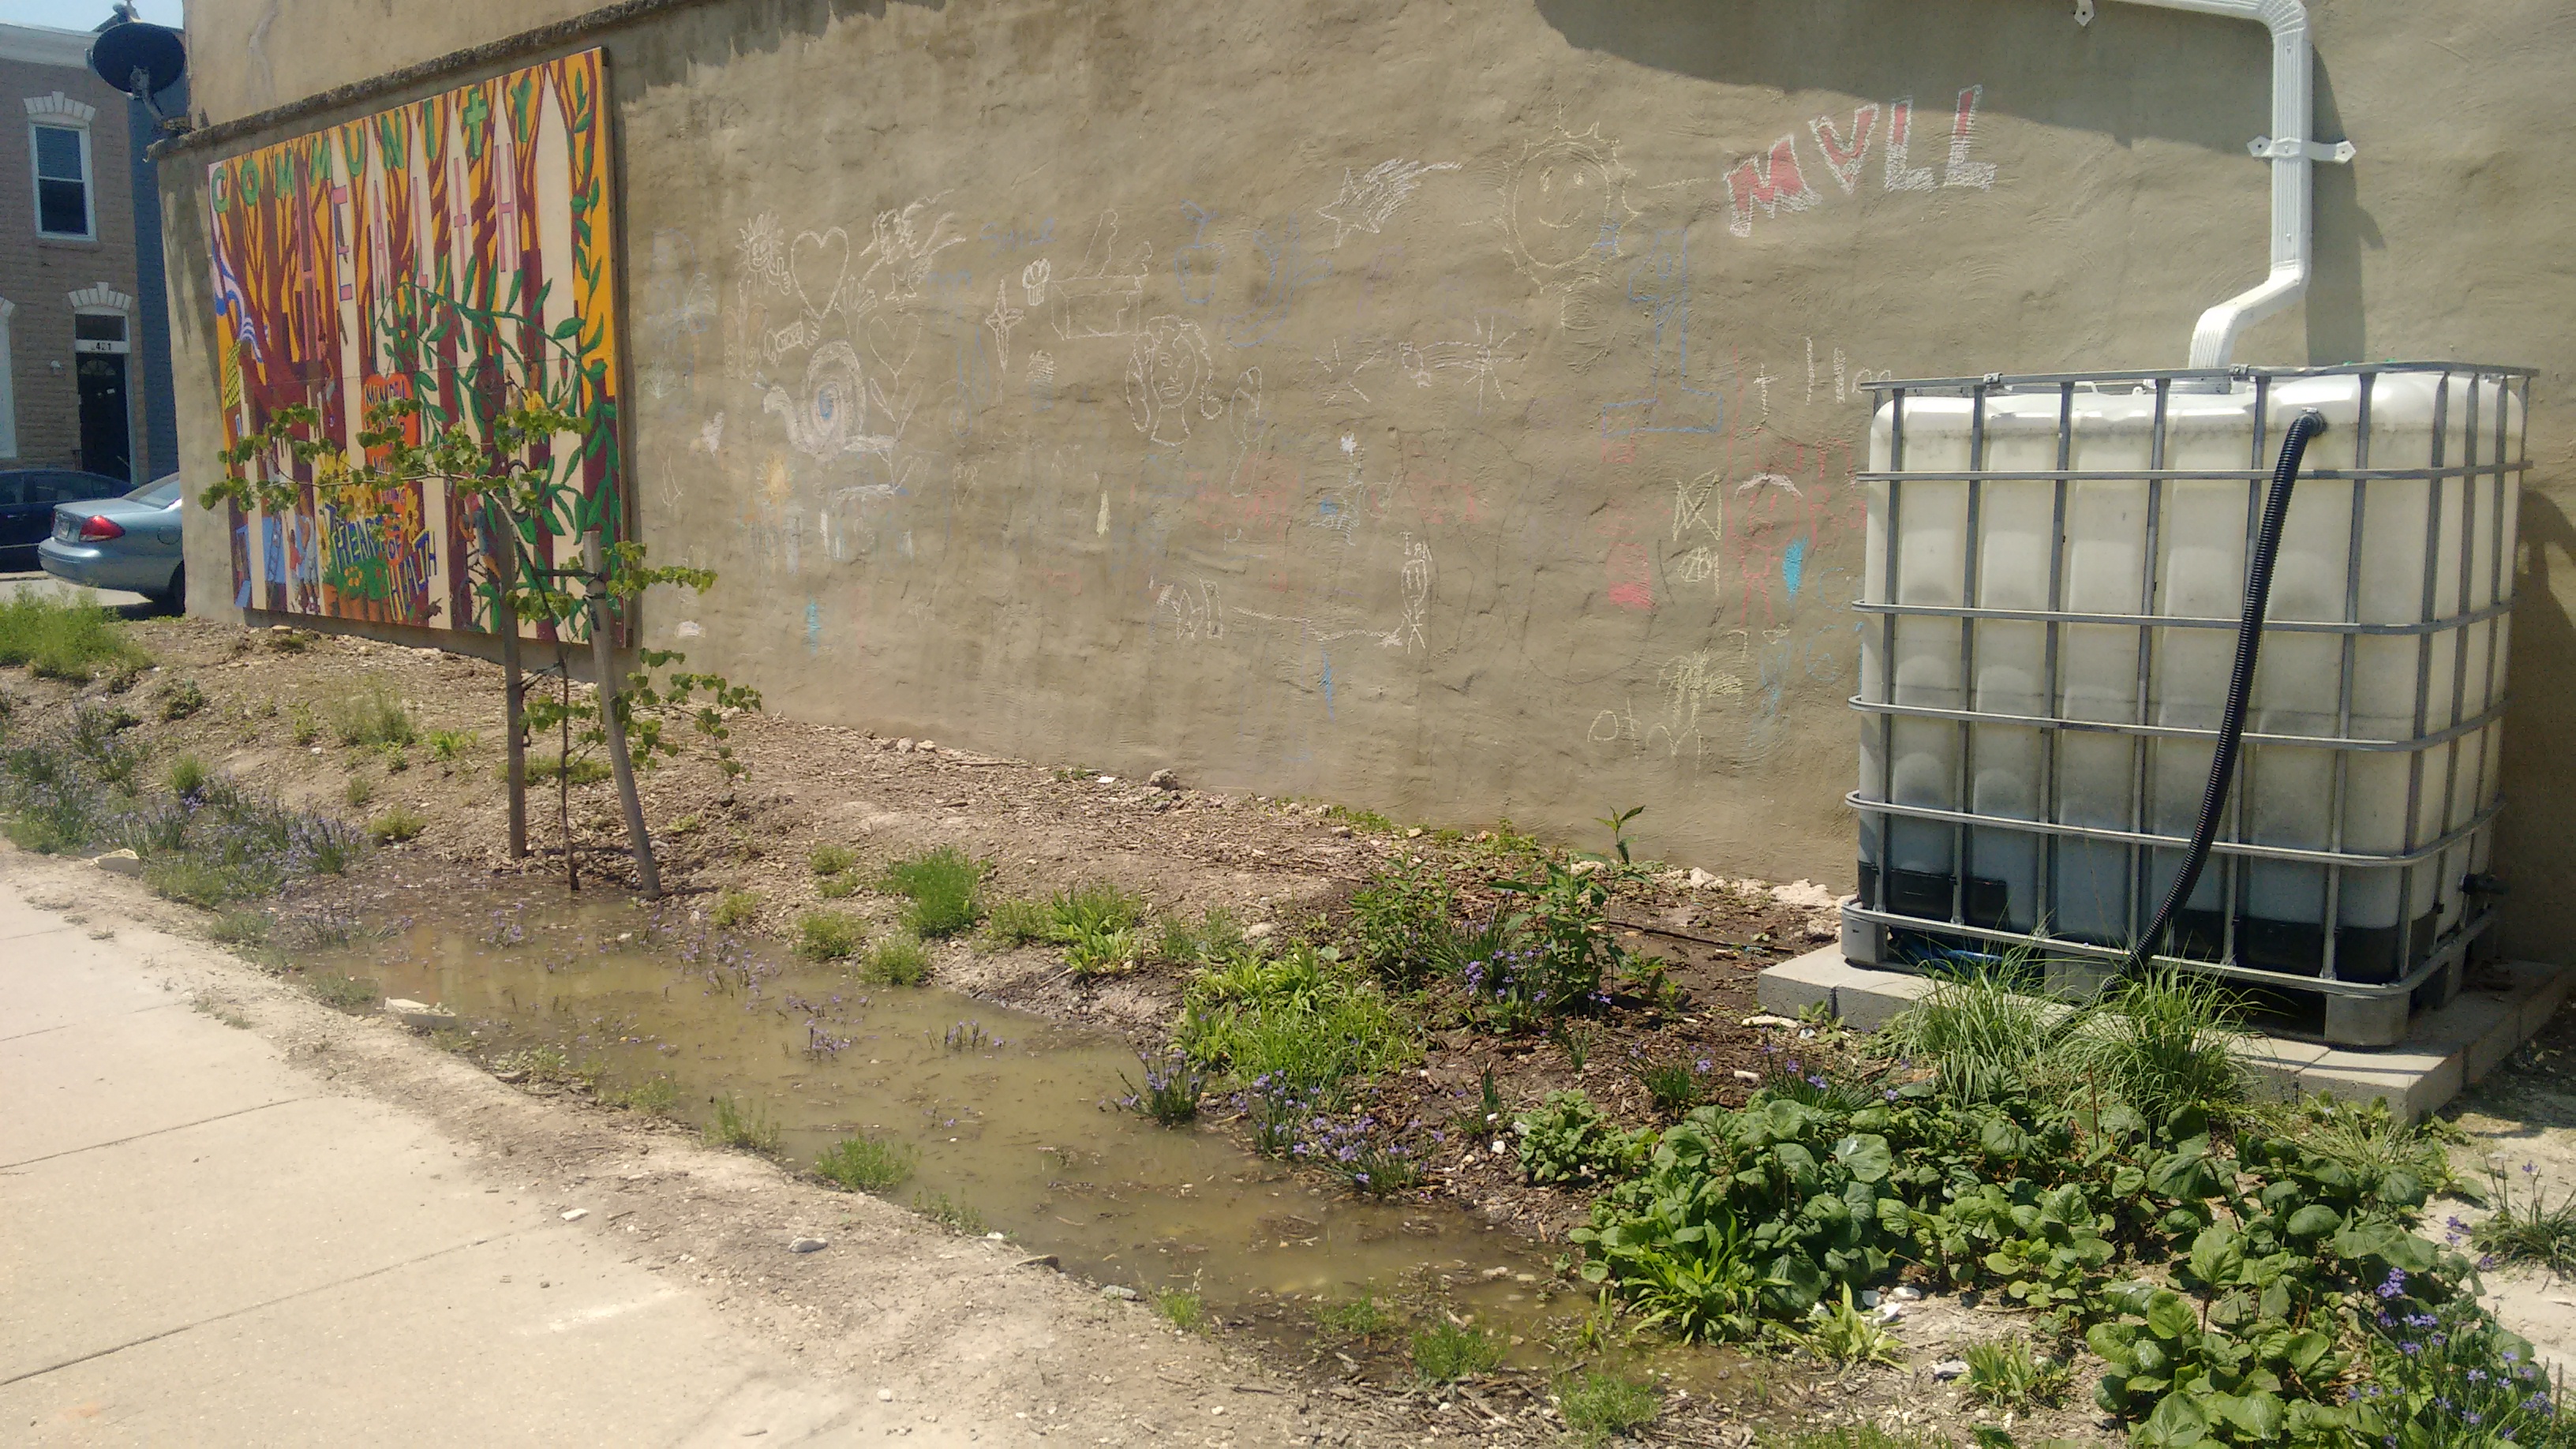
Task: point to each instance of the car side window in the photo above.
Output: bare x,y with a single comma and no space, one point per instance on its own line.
82,487
13,491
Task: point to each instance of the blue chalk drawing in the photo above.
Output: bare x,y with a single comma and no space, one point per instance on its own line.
1793,565
813,626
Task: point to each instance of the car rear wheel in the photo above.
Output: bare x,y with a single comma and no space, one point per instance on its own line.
175,598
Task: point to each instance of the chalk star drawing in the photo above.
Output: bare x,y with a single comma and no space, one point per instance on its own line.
1368,200
1341,377
1002,319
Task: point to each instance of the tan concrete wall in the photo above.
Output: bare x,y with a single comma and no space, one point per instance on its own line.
39,273
1386,401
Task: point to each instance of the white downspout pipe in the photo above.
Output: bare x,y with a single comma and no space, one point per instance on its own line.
2293,185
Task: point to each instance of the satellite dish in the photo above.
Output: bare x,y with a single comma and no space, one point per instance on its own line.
139,59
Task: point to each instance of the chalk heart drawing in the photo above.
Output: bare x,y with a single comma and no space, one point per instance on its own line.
1564,207
829,417
1367,200
1103,299
818,266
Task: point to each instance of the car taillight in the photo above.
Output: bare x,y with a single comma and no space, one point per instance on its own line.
97,528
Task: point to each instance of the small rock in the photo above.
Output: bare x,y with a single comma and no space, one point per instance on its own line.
1948,1369
885,1396
1768,1020
927,748
1700,880
1413,833
513,1076
1741,1075
1890,1312
1580,867
1107,780
120,862
1120,1293
997,1237
418,1015
1262,932
806,1245
1499,1147
1906,1295
574,1215
1869,1298
1163,780
1491,1274
1343,831
1043,1260
903,746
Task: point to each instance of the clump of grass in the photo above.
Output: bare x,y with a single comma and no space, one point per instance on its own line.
72,639
865,1164
240,928
1865,1436
1107,953
1982,1036
1018,922
181,699
1096,909
2525,1226
832,859
585,770
1304,1022
951,1214
898,961
370,715
1183,1308
349,993
1597,1404
550,1063
2006,1374
654,1097
220,1010
1215,938
187,776
734,1124
734,909
829,935
449,746
1362,1317
1171,1092
2164,1040
1447,1352
1676,1087
301,725
360,792
1843,1335
837,887
396,823
942,885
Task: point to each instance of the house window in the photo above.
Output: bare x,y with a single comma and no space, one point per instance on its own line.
62,181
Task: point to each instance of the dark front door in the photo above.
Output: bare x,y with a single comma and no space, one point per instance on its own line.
106,440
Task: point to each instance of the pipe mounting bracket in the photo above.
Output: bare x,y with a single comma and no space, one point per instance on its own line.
2264,148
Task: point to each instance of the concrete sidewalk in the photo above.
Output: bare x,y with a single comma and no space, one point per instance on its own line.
202,1243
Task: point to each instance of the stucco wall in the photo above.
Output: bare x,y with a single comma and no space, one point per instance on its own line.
1393,401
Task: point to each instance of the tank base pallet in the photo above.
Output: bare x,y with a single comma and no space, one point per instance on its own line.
2445,1050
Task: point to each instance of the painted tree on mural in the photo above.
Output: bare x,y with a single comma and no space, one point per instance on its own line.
508,453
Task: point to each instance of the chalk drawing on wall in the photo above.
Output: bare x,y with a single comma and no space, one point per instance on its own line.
1367,200
1002,320
1167,370
1477,359
362,262
1033,281
1564,207
1338,378
1102,299
828,416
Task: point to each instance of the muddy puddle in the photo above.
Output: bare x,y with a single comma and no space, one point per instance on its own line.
1012,1117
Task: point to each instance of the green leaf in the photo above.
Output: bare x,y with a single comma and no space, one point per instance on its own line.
2314,1219
2258,1414
1865,1156
566,328
2170,1315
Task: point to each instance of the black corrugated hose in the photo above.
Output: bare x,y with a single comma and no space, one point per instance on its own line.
2240,685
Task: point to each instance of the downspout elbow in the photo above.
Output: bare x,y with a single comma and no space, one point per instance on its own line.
2213,342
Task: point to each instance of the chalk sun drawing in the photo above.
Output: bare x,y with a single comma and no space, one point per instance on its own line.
1367,200
1564,207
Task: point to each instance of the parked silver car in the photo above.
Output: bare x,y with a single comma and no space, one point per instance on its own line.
122,543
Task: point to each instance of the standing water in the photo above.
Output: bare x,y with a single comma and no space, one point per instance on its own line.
1014,1118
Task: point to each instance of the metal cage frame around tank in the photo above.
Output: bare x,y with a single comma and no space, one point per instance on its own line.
2486,444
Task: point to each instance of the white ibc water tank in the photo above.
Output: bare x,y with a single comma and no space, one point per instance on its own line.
2055,571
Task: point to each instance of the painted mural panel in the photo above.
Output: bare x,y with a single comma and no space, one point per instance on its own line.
456,251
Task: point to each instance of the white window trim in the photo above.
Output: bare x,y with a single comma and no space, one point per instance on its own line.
8,384
63,113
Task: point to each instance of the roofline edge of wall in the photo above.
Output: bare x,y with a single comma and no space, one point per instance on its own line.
472,57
